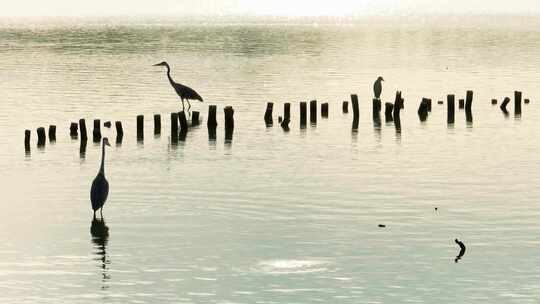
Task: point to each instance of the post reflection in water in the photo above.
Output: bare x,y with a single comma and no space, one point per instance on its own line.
100,237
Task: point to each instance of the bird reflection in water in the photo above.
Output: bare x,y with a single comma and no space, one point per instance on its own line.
100,237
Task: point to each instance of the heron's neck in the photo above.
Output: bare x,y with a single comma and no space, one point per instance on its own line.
102,168
169,74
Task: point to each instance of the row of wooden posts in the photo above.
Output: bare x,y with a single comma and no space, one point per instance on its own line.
179,128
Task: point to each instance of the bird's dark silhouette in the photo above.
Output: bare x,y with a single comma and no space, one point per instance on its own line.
100,185
462,249
186,93
377,87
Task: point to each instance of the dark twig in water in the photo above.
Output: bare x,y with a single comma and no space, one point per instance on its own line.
461,250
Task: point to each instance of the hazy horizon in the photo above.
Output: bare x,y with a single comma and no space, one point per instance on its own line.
291,8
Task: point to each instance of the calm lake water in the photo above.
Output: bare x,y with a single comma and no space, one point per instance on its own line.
274,216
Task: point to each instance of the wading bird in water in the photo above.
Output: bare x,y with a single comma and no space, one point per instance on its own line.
377,87
186,93
100,185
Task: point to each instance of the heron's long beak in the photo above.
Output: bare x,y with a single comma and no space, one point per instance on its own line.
157,64
382,79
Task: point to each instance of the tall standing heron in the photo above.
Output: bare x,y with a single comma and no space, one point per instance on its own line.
377,87
186,93
100,185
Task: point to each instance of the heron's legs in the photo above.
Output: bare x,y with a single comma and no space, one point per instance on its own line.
183,107
101,212
94,214
189,108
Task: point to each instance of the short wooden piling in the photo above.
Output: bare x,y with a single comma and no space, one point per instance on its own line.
82,147
428,100
174,127
212,122
450,107
279,119
27,134
376,107
183,121
140,127
517,103
356,111
388,112
268,114
229,122
157,124
119,131
324,109
468,106
345,107
73,128
287,111
461,103
303,114
41,136
97,130
526,101
398,105
504,104
493,101
107,124
423,109
82,129
313,111
440,102
194,118
52,133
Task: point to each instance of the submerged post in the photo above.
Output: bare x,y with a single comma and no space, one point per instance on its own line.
398,105
41,136
268,114
303,114
450,106
345,107
313,111
468,106
82,128
423,109
140,127
286,111
52,133
211,124
119,131
388,110
73,130
107,124
504,104
356,111
517,103
229,122
493,101
195,118
461,103
174,127
27,134
376,107
324,109
157,124
526,100
97,130
183,121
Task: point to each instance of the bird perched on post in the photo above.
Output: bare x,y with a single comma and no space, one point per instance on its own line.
377,87
100,185
186,93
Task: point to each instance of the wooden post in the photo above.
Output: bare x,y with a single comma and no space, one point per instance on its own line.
183,121
440,102
268,114
195,118
157,124
428,104
313,111
504,104
73,130
174,127
279,119
27,134
324,109
388,110
140,127
468,106
212,122
82,128
345,107
287,111
107,124
517,103
303,114
41,136
423,109
97,130
82,147
526,100
356,111
119,131
461,103
52,133
229,122
494,101
450,106
376,107
398,105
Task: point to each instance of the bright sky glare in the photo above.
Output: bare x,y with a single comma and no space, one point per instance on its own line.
264,7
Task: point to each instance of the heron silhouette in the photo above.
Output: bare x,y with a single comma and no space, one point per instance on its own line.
186,93
100,185
377,87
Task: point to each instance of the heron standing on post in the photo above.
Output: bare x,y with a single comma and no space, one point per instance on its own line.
100,185
186,93
377,87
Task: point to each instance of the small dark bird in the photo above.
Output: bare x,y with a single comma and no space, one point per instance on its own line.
462,249
186,93
382,225
377,87
100,185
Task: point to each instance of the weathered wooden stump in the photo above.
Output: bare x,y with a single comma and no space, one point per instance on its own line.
324,109
526,100
450,108
268,114
286,111
356,111
195,118
423,109
211,124
279,119
183,121
388,112
303,114
461,103
429,104
376,107
440,102
97,130
82,147
517,103
174,127
82,129
27,134
157,124
73,128
468,106
52,133
41,136
107,124
504,104
313,111
493,101
345,107
398,105
229,122
119,132
140,127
